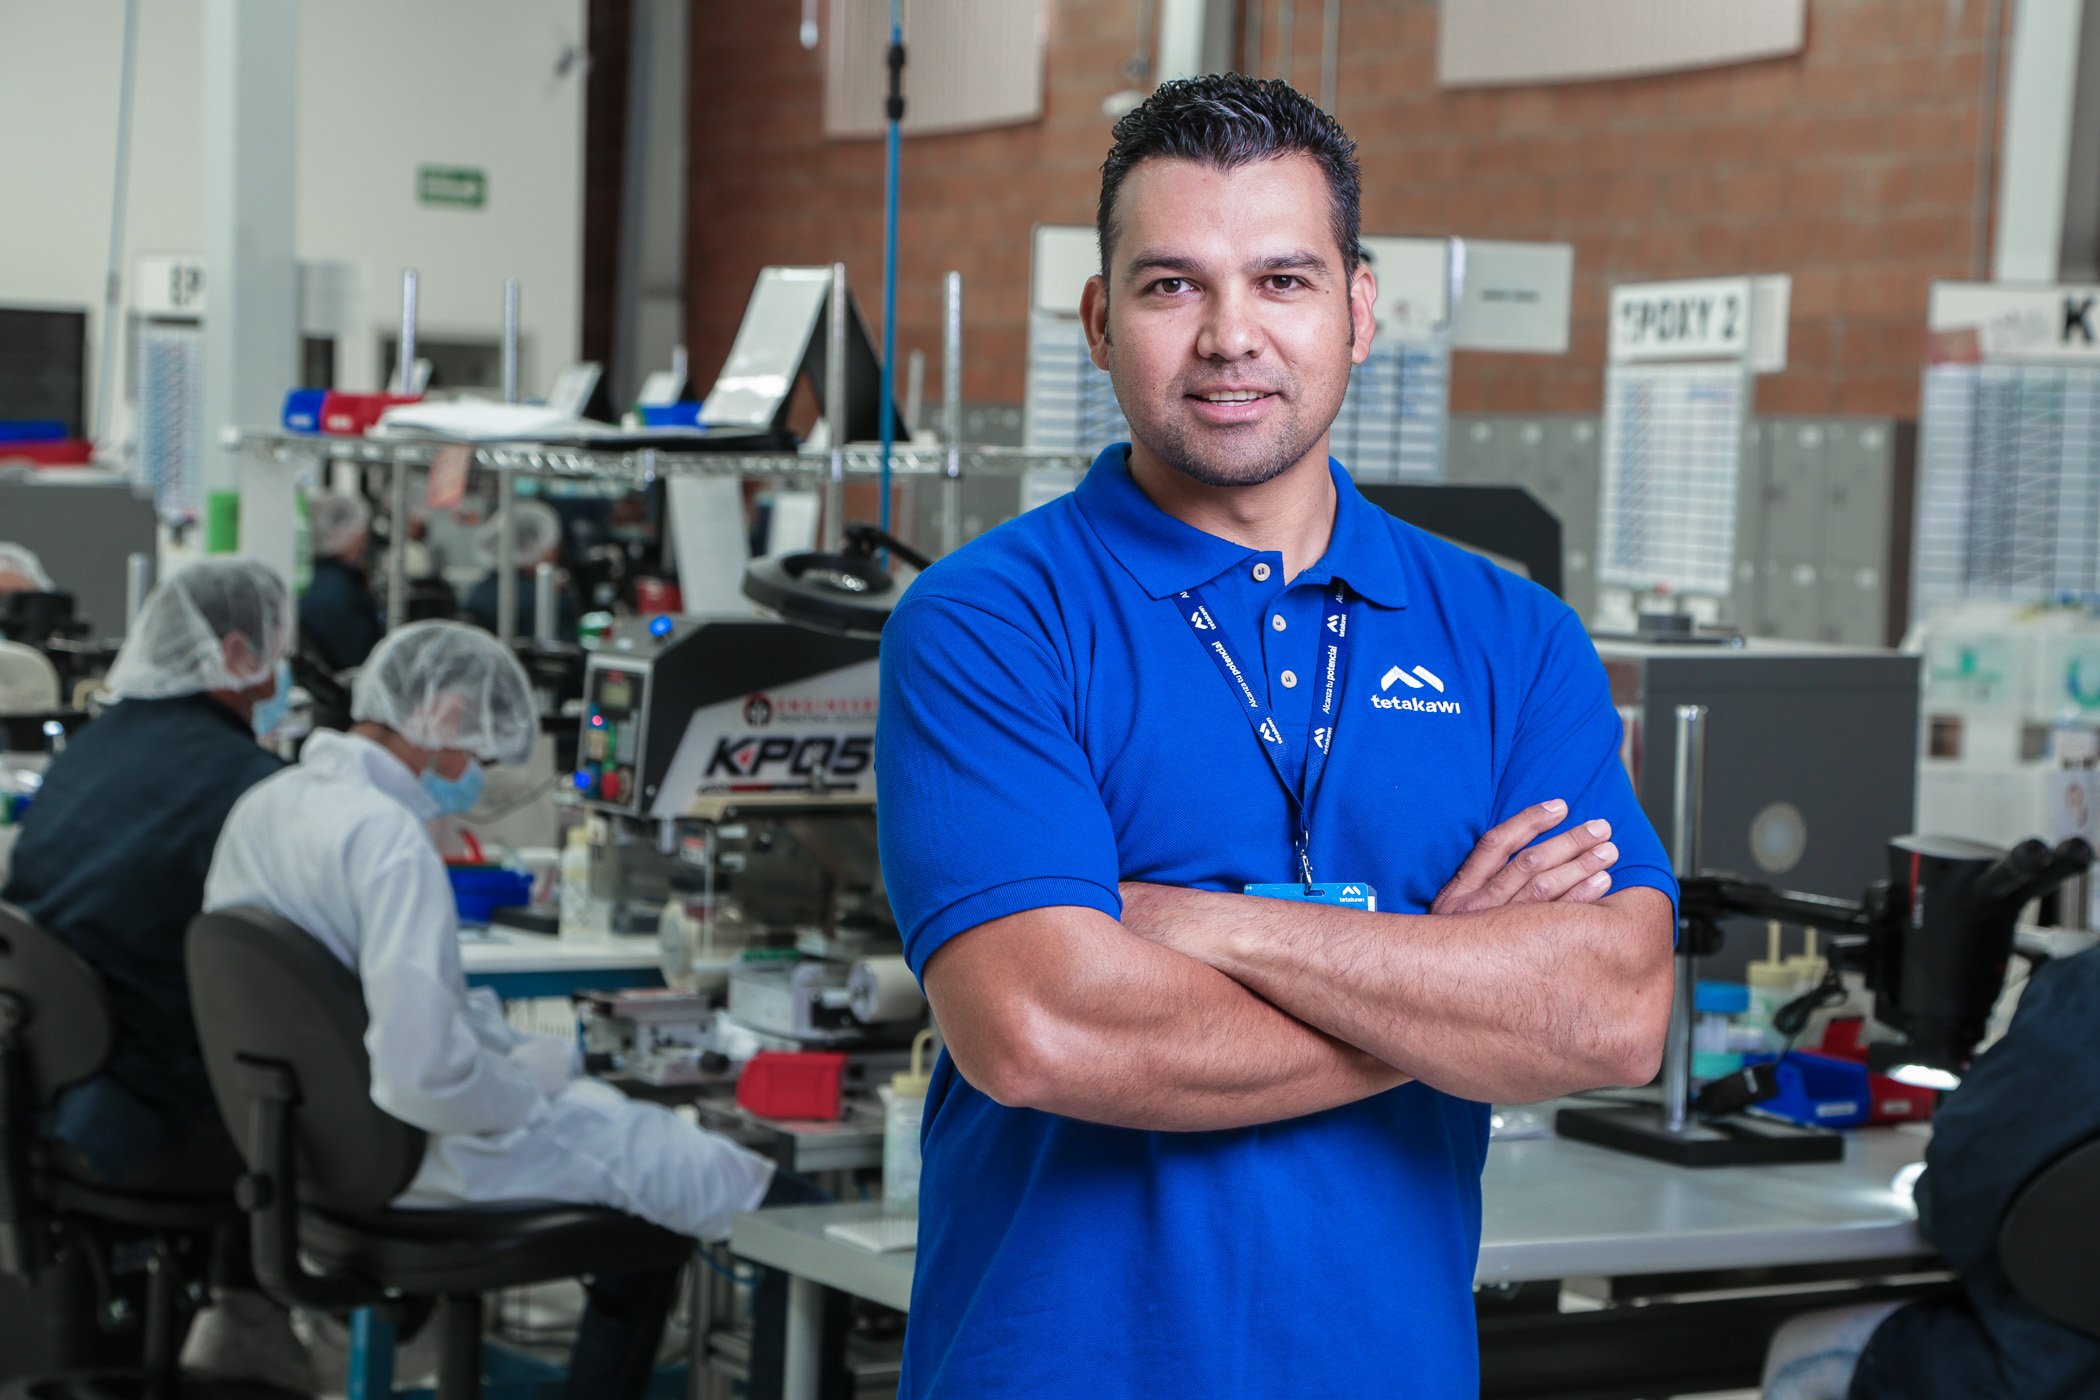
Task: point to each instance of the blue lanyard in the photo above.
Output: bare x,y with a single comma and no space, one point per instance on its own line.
1195,609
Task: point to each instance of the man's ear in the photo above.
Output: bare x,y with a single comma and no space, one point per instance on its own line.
1363,313
239,655
1093,318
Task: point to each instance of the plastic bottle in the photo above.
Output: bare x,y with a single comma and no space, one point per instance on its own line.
583,916
903,1110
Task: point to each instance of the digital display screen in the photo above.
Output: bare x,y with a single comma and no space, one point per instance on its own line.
616,691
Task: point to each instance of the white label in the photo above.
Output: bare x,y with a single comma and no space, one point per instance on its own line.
1414,284
1514,297
168,285
2021,323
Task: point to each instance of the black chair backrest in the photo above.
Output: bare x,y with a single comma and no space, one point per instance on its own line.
65,1024
266,992
2049,1240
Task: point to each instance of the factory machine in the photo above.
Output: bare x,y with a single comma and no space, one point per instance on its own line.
729,767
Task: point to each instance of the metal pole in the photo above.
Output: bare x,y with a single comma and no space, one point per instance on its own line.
543,603
951,412
113,288
1330,53
405,361
1687,833
397,548
914,391
138,582
510,341
506,559
835,413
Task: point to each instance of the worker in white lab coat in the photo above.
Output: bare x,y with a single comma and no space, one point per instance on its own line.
337,845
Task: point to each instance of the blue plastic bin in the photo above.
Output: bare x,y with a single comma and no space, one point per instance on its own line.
32,430
302,410
671,415
1819,1091
479,890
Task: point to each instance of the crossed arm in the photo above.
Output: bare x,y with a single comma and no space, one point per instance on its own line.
1203,1010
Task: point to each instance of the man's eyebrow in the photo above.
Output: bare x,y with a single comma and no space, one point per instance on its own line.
1159,260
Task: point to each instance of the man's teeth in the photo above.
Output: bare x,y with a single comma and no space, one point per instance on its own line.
1231,398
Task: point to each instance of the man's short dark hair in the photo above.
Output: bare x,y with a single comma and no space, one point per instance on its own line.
1228,120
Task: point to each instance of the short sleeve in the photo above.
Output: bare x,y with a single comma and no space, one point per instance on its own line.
1567,745
986,805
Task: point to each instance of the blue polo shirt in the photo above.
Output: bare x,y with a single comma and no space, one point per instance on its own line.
1051,726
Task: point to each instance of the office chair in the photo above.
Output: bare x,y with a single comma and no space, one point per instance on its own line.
55,1031
283,1027
2049,1239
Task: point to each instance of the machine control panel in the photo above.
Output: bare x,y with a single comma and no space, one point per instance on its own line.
612,725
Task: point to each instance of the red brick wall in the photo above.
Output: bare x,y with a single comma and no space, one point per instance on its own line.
1852,166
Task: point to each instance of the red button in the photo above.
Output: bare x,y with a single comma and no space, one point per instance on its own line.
609,787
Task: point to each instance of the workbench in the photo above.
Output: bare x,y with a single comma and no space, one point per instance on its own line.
1553,1210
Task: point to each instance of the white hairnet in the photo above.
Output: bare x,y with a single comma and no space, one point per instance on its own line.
337,523
534,531
176,647
14,559
445,685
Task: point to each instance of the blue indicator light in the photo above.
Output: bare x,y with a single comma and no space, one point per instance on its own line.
660,627
583,780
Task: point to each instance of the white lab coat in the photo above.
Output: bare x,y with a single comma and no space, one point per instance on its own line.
337,845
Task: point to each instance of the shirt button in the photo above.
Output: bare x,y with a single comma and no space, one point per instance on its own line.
1277,622
1290,679
1261,573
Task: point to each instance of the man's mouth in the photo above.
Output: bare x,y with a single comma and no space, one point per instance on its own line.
1230,396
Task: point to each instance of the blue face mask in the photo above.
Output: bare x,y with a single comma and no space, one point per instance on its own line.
270,713
455,796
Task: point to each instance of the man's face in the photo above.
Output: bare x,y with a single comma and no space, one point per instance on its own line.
1226,321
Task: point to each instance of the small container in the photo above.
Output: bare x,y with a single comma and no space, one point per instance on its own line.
583,917
903,1113
1714,1032
479,890
796,1084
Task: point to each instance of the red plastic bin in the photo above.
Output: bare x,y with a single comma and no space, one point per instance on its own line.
792,1084
1888,1100
353,415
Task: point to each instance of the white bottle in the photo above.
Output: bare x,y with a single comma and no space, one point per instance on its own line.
581,919
903,1110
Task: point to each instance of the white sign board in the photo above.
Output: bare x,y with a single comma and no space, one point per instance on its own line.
167,285
1065,256
1713,318
2021,323
1514,297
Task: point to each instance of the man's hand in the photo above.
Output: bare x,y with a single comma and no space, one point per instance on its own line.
1505,868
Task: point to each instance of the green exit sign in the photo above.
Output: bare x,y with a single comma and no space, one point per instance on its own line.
456,186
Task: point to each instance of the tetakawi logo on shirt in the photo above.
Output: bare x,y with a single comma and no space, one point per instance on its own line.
1420,678
1203,620
1270,732
1338,623
1320,737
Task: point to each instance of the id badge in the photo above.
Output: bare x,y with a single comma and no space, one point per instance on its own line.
1357,896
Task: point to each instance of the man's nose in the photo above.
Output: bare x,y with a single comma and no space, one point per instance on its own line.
1231,327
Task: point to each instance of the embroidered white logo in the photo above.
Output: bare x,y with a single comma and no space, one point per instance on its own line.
1320,737
1338,624
1419,678
1270,732
1203,620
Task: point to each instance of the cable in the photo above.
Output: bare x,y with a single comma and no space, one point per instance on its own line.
518,804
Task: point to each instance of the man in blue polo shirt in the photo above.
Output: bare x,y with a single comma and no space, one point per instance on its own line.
1203,794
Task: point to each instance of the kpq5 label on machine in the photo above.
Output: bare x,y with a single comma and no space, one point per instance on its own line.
814,736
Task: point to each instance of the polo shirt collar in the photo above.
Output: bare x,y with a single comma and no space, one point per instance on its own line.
1167,556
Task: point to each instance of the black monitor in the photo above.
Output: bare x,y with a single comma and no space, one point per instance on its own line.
43,365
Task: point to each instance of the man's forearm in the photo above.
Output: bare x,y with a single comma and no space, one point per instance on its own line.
1510,1004
1104,1026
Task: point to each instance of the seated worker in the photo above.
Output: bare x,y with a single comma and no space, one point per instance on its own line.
338,614
2027,1100
112,858
337,844
536,539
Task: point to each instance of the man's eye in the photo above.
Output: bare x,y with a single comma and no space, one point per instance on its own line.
1170,285
1285,282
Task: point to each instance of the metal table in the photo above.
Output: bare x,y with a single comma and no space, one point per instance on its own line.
1553,1209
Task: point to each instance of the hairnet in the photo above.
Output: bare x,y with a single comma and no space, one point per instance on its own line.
337,523
14,559
534,530
175,647
445,685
